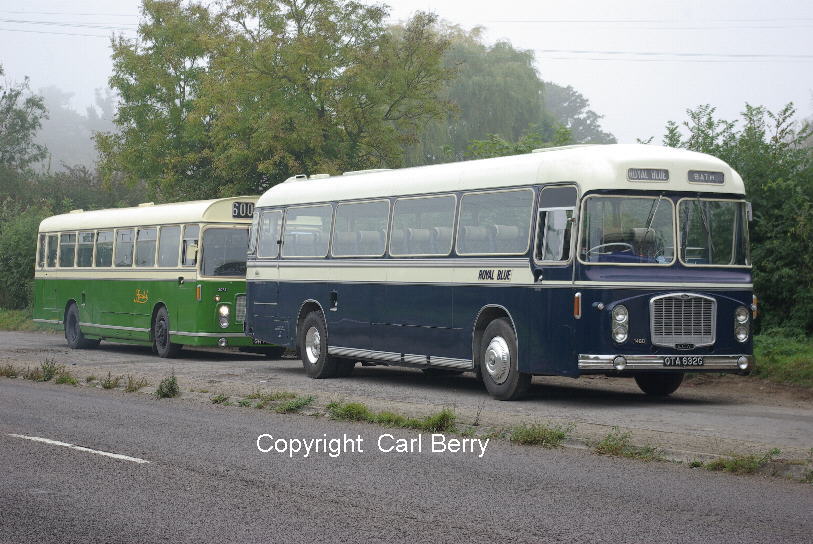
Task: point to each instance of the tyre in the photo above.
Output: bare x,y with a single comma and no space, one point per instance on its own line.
274,352
160,335
498,362
659,385
73,332
313,347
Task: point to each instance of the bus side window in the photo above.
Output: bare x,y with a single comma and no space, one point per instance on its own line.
169,245
104,248
189,255
361,229
145,246
307,231
268,229
495,222
555,225
67,249
84,251
43,240
53,246
422,226
124,247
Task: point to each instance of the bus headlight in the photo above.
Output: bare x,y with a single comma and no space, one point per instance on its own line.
620,323
223,313
741,332
741,315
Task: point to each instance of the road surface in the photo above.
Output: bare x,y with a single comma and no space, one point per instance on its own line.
204,480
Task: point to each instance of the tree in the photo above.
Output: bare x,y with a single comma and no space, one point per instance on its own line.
231,101
21,115
767,149
496,146
498,93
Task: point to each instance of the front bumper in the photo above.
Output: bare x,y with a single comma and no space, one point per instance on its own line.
610,363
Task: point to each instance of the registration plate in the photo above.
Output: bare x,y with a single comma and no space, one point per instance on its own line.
683,360
258,341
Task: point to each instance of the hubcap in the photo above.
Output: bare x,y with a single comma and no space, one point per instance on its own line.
498,359
313,345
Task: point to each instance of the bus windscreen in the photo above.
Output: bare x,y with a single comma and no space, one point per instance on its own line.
224,252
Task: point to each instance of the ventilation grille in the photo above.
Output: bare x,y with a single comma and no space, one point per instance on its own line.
240,308
683,320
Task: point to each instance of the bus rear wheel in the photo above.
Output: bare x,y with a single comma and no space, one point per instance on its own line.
313,348
160,335
659,385
73,332
499,363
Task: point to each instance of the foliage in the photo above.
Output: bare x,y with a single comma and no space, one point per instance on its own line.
168,388
295,405
229,100
768,150
18,241
619,444
443,421
111,382
742,464
66,377
784,357
497,93
134,384
21,115
540,435
496,146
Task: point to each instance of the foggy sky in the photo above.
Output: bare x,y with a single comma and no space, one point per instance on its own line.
721,52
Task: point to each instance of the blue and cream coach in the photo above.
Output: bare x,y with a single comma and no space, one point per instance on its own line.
625,260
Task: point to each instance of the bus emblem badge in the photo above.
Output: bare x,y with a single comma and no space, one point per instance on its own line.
141,297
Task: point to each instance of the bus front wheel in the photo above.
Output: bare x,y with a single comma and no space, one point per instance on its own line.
659,385
160,335
498,362
73,332
313,348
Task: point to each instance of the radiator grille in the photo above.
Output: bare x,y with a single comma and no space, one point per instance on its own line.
683,319
240,308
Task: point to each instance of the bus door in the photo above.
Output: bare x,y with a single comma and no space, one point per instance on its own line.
552,265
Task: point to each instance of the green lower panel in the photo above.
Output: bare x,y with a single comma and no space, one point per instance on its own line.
125,309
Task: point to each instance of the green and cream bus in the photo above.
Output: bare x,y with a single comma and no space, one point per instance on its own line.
166,275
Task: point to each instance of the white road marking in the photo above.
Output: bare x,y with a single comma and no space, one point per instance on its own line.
80,448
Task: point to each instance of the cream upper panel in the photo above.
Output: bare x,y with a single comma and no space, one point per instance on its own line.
592,166
215,211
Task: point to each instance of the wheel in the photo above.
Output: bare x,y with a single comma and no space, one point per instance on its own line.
498,362
73,332
659,385
160,335
274,352
344,367
313,347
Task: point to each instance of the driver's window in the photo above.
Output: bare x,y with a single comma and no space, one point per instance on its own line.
555,224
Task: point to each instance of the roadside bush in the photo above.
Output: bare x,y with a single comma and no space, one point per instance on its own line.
168,388
784,356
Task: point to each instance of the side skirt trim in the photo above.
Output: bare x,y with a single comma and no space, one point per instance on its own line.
401,358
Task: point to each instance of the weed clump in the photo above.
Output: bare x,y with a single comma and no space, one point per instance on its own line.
742,464
219,399
539,435
9,371
443,421
619,444
65,377
295,405
134,385
111,382
168,388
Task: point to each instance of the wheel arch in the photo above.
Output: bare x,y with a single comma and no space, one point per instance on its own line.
486,315
307,306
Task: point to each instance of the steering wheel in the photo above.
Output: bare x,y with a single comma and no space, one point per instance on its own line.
624,245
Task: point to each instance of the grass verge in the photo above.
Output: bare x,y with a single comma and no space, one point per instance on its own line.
619,444
19,320
784,358
742,464
294,405
443,421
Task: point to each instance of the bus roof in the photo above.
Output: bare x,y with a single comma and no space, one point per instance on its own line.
196,211
591,166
